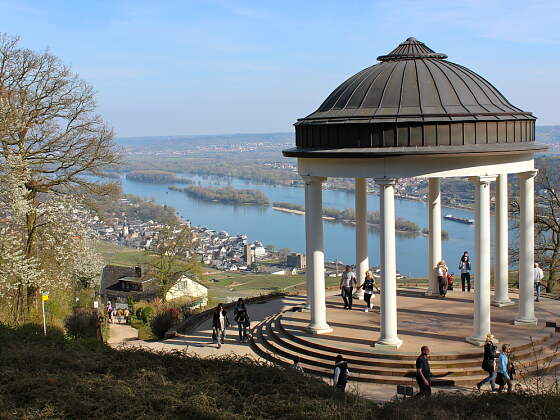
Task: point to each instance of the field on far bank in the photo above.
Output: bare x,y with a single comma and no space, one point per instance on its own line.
119,255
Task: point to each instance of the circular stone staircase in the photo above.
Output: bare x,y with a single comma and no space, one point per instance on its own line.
278,339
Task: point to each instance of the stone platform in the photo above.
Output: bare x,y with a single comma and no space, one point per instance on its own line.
442,324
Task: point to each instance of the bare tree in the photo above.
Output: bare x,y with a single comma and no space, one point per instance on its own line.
547,226
170,254
48,123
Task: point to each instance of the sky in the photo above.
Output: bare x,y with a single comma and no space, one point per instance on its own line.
224,66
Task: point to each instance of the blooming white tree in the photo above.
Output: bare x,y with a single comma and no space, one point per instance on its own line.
51,139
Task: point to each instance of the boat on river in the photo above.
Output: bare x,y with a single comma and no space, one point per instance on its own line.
459,219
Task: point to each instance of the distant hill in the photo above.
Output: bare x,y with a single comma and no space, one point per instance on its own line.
206,140
548,134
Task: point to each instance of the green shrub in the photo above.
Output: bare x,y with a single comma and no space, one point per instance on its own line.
136,323
82,323
130,303
163,321
145,333
139,313
147,314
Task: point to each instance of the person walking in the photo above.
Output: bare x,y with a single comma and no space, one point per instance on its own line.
295,366
538,276
465,268
341,373
347,283
489,363
241,316
503,377
110,312
219,324
423,372
368,285
126,315
441,272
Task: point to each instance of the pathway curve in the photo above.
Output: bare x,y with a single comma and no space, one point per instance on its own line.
199,342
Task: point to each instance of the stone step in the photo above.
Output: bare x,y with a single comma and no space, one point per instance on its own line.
445,361
278,346
268,344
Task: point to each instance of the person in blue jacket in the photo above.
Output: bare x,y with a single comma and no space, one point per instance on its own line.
503,369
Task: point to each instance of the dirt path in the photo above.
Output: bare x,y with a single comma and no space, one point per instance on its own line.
121,334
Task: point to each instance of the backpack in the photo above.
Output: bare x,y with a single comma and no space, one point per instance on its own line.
343,375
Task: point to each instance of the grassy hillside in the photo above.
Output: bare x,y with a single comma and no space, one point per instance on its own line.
119,255
56,378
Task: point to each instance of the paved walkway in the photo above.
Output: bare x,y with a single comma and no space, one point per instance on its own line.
416,321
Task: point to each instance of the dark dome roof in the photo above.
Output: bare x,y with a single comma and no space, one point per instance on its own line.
414,81
414,87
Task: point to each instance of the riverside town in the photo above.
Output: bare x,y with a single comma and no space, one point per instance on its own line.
248,210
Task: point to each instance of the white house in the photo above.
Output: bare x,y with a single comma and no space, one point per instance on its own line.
186,287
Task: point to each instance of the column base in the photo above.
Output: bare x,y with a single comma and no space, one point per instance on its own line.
533,321
392,344
479,341
502,303
319,329
431,292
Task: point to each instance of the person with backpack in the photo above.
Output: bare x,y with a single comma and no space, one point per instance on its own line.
423,372
368,285
504,369
465,269
489,363
241,316
220,322
341,373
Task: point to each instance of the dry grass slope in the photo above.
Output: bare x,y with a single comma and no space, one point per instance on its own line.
56,377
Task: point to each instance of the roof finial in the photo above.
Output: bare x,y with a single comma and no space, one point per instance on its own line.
411,49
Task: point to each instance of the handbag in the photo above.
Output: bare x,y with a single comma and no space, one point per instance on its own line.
500,379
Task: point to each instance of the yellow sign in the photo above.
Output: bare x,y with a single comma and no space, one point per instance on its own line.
45,297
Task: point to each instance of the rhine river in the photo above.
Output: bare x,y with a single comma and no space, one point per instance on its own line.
285,230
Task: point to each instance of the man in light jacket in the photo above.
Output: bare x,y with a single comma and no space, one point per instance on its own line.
538,278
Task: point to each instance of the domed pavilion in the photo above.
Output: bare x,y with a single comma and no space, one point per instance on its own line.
415,114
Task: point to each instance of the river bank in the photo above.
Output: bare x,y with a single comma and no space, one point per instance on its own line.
346,221
282,229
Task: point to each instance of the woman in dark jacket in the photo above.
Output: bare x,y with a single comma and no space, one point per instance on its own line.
489,363
242,318
220,322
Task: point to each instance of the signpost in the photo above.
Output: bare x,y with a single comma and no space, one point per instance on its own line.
44,297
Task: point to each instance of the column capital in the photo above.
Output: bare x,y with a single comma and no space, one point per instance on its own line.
309,179
528,174
483,179
385,181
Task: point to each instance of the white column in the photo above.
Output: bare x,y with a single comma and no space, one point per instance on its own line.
388,300
481,319
434,235
362,260
318,323
526,314
501,269
308,253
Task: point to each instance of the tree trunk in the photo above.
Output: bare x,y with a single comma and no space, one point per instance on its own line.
32,298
